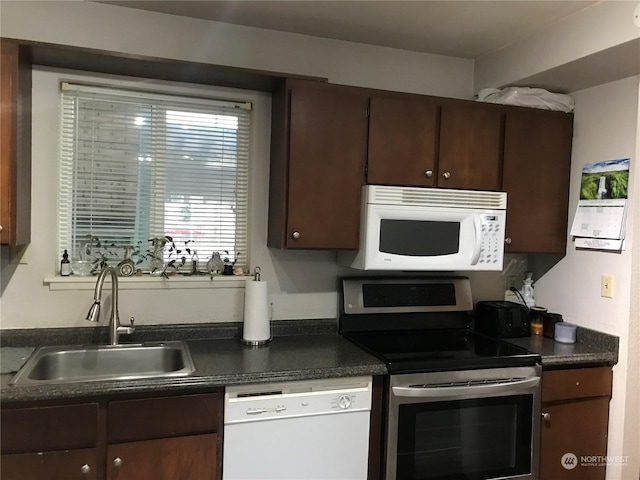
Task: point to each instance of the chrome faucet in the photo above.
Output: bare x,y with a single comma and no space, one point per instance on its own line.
115,329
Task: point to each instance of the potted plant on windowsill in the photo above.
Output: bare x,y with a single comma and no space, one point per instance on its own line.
156,255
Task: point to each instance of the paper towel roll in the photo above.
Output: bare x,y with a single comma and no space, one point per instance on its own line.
257,329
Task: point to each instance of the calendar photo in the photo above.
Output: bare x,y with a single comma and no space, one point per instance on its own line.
605,180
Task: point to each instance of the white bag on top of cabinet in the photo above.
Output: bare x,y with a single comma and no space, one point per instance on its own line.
527,97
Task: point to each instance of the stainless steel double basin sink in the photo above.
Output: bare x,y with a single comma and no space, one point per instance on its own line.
53,365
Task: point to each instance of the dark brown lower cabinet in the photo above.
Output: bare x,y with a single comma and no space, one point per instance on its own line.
50,442
575,417
179,458
171,437
66,464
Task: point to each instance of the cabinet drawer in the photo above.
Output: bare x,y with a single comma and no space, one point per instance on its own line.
69,464
149,418
49,428
579,383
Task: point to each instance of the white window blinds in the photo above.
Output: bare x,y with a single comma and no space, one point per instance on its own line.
135,166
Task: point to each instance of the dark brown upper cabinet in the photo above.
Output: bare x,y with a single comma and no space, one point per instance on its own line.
537,166
424,141
318,156
470,156
15,145
403,140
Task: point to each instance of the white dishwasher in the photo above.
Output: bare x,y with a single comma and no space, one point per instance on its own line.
312,429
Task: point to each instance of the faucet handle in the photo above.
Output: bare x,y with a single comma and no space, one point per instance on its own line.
126,329
130,329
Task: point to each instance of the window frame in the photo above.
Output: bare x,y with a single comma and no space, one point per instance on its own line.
257,139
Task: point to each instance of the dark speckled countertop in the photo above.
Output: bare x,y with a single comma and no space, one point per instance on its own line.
591,348
306,350
301,349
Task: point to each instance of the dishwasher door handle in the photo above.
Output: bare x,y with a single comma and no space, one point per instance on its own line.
258,411
492,388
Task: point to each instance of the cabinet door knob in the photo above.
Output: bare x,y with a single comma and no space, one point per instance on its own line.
446,174
117,462
546,416
295,235
84,469
507,241
429,173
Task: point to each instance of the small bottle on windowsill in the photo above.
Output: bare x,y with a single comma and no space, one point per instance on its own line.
65,265
194,263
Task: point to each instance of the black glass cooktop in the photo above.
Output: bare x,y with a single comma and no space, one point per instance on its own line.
426,351
421,324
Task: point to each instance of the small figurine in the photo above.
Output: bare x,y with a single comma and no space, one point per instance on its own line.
215,264
126,267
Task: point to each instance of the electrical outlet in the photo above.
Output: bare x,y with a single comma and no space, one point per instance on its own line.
511,281
606,286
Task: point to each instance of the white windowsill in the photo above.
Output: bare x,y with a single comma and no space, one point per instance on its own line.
148,282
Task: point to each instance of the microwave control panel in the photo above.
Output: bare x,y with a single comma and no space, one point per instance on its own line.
492,239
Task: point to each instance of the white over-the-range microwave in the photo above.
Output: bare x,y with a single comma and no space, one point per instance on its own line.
429,229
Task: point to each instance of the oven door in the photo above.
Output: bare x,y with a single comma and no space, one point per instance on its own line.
467,425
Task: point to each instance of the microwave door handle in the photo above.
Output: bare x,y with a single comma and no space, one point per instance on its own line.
490,388
477,226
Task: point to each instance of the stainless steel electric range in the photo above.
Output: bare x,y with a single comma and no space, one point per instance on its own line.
459,405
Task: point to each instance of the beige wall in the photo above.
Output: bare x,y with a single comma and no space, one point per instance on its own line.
631,440
578,40
606,127
127,30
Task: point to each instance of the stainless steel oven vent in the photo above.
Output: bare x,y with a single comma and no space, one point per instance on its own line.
470,383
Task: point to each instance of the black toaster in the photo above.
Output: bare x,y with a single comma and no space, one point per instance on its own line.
502,319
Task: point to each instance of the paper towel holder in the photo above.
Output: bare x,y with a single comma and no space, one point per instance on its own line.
256,343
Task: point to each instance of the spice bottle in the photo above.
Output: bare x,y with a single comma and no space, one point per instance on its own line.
194,263
65,265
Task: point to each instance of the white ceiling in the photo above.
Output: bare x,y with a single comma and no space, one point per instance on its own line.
466,29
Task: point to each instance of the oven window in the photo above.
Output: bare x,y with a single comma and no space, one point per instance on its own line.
473,439
419,238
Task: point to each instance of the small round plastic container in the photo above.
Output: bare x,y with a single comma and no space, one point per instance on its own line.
565,333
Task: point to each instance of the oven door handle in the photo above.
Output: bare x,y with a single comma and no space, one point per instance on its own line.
464,390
